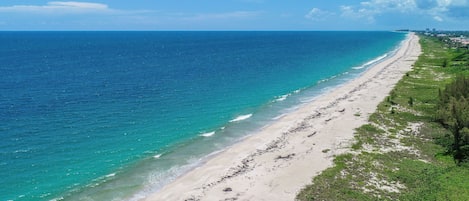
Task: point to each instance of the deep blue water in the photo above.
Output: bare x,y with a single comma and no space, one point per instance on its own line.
105,115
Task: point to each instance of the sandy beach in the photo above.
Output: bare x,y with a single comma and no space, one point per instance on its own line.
279,160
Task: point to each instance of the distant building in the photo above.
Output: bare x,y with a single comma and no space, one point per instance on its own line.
461,40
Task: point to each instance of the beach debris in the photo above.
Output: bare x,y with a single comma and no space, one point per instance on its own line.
271,146
285,157
342,110
192,199
313,116
227,189
311,135
300,127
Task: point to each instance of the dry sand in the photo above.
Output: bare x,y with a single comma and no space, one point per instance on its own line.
277,162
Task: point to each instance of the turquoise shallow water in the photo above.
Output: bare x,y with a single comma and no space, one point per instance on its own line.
115,115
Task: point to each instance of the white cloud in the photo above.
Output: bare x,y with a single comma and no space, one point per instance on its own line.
438,18
379,6
349,12
317,14
81,5
456,2
432,9
440,9
59,7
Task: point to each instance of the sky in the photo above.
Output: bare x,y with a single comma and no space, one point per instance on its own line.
234,15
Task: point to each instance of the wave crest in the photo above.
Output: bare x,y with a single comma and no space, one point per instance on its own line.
377,59
282,97
207,134
241,118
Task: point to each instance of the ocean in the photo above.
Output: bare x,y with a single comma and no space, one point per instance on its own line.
116,115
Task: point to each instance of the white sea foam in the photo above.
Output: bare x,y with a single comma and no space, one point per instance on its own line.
22,151
282,98
326,79
377,59
57,199
371,62
208,134
279,116
159,179
241,118
307,100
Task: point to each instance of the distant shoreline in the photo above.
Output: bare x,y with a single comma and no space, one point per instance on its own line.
277,162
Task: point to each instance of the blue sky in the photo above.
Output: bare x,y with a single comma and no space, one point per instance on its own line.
234,14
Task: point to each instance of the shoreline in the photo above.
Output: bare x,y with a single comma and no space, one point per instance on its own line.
279,160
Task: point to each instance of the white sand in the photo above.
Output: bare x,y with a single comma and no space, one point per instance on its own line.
277,162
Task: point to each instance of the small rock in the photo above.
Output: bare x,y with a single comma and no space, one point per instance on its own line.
228,189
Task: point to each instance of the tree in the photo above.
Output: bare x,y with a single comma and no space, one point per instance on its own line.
453,113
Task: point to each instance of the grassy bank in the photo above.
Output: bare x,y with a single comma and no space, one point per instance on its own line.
400,154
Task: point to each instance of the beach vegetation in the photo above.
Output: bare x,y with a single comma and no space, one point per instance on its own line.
409,155
392,96
326,150
453,114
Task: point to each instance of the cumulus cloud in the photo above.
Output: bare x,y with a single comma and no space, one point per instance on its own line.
349,12
317,14
457,2
433,9
58,7
426,4
380,6
438,18
368,10
458,9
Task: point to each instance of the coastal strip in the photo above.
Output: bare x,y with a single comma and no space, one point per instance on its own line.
279,160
